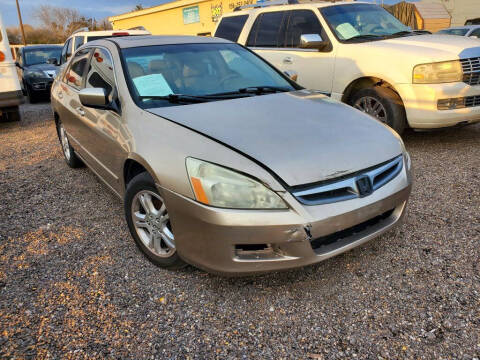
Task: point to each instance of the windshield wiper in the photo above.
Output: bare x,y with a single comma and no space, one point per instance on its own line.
400,34
365,37
258,90
179,98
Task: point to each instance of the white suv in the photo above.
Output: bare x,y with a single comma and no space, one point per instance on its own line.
360,54
82,36
10,91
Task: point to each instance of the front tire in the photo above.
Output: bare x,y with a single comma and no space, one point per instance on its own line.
32,97
68,152
383,104
149,222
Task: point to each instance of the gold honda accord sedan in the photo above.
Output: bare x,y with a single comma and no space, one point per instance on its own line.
222,161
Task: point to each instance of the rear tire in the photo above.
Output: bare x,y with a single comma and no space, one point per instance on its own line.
382,103
68,152
149,222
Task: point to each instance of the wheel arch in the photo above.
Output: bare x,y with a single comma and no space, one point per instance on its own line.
134,165
365,82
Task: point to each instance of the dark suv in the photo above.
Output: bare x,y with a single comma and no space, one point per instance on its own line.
38,67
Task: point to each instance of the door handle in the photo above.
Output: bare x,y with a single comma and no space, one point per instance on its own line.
80,111
60,95
288,60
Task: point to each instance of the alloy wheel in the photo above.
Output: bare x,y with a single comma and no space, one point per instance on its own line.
65,143
152,223
372,106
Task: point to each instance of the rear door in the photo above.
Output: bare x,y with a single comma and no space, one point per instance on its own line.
71,109
267,37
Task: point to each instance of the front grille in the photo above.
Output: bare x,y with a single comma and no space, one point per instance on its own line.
472,101
471,71
327,243
347,187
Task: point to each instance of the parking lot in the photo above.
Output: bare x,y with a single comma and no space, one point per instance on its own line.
73,284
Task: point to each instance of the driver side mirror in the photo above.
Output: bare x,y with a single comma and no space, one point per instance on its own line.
52,61
312,41
98,98
94,97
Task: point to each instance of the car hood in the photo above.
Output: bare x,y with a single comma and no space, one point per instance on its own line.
48,69
421,48
301,136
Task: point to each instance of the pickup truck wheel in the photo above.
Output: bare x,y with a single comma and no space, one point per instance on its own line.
149,222
383,104
70,157
13,114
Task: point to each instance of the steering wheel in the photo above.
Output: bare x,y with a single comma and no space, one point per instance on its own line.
373,28
226,78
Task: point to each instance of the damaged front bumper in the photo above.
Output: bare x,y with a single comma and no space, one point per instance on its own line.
239,242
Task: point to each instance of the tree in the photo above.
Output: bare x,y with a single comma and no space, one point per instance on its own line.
64,21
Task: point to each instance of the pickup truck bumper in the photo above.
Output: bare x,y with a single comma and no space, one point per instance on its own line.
421,104
11,98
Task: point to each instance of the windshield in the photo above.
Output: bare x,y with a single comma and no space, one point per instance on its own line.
41,55
460,32
361,20
197,70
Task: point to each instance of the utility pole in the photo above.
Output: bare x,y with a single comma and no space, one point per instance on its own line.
21,25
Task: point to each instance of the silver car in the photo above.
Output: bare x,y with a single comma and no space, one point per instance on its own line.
222,161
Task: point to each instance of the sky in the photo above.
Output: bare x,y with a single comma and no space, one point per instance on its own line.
98,9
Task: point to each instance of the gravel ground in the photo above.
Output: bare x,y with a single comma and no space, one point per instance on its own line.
73,284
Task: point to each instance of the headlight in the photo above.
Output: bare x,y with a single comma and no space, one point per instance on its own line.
217,186
35,74
437,73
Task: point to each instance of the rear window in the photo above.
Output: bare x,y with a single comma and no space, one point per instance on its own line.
231,27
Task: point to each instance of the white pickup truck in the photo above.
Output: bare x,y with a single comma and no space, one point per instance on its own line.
362,55
11,95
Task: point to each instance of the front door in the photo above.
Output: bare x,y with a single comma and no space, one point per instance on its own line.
276,37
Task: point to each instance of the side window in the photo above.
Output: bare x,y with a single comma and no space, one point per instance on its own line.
66,51
302,22
268,30
78,41
100,71
475,33
231,27
74,74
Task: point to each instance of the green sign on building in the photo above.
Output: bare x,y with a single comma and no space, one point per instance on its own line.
191,15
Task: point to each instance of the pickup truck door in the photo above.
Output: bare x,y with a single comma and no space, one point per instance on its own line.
276,37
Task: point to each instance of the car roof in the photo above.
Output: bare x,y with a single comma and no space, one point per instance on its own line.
52,46
312,5
152,40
